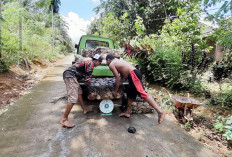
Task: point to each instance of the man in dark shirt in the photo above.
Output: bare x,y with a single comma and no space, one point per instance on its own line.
78,71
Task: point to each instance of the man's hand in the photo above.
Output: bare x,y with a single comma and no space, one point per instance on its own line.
92,96
115,94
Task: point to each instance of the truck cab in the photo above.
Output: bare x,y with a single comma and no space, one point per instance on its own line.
90,41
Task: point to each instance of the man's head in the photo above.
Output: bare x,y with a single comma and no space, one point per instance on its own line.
109,58
97,60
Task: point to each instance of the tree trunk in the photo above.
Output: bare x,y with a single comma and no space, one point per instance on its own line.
53,40
20,28
21,35
165,9
0,30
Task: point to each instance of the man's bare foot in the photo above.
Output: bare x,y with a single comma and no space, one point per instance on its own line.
87,110
127,115
66,123
161,117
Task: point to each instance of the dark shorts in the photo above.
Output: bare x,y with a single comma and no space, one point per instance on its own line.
135,85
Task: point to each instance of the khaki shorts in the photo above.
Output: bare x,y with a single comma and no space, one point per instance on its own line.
73,89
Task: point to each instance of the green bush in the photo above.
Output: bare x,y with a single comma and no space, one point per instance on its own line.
179,53
3,65
223,99
193,86
165,67
218,126
228,129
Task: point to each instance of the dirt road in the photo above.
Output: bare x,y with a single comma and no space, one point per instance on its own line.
31,128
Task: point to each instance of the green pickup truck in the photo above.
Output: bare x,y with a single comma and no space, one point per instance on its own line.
103,80
89,41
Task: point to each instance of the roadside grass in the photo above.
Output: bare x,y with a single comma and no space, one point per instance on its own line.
204,123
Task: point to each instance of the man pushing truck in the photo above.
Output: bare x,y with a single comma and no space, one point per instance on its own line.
128,71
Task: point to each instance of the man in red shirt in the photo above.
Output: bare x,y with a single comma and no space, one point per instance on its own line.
78,71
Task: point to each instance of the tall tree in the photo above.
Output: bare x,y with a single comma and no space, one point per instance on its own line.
152,12
63,36
53,6
0,28
22,3
20,27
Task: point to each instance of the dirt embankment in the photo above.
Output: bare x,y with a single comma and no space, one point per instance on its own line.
18,80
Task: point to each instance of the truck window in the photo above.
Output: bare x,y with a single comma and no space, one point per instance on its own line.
96,43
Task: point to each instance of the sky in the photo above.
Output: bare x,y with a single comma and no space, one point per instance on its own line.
78,14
